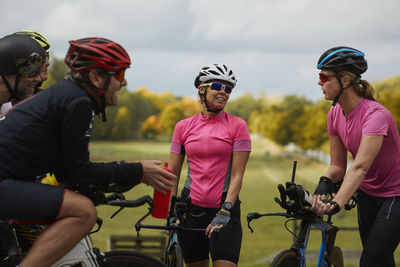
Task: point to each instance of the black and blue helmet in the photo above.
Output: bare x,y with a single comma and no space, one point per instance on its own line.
343,58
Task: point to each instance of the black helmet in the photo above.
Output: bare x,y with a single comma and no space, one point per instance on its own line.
343,58
20,54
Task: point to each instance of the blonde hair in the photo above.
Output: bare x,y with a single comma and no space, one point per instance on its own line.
362,87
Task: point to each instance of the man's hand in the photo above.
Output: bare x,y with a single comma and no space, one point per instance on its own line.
155,176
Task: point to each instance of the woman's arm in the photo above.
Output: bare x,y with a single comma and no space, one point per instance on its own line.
175,163
239,161
338,162
367,152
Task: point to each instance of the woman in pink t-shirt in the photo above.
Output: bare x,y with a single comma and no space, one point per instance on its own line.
217,146
358,124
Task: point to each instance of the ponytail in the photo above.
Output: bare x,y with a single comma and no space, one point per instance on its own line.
363,88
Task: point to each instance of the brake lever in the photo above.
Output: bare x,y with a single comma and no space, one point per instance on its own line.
277,200
99,222
282,192
250,217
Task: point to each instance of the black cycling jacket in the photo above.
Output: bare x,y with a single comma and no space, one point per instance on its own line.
50,132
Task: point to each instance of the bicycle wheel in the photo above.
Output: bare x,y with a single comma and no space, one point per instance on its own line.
336,258
174,256
129,259
286,258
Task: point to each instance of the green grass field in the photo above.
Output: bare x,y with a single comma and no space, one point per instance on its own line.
264,172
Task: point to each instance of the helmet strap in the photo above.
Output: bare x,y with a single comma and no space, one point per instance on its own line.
10,90
100,98
340,91
209,109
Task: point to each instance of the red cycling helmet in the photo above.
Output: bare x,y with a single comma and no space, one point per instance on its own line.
96,53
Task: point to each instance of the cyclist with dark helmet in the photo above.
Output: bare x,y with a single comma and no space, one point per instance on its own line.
46,46
28,91
50,132
217,146
358,124
21,60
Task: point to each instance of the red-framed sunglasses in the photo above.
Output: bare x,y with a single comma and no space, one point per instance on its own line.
120,75
324,77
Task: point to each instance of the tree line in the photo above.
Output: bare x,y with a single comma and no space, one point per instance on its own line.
144,114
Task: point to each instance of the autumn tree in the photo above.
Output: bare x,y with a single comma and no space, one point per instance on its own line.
121,129
170,115
151,127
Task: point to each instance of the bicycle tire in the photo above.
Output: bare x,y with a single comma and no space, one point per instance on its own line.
174,257
286,258
335,259
121,258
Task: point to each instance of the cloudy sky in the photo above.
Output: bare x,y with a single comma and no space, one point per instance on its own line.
272,45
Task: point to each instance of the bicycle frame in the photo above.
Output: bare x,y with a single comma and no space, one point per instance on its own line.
328,232
298,207
179,211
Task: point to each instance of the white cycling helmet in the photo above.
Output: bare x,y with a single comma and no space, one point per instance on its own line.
215,72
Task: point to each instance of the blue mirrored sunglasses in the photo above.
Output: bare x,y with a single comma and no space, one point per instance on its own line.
218,86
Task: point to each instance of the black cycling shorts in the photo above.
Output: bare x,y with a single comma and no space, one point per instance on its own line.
29,202
379,226
223,245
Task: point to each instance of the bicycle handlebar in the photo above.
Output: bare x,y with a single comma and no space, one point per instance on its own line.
131,203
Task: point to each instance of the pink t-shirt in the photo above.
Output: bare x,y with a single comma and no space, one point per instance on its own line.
371,118
208,143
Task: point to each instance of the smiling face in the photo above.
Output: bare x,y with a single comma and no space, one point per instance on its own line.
216,99
99,81
27,86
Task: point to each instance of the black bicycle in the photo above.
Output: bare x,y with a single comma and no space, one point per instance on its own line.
16,239
179,211
297,202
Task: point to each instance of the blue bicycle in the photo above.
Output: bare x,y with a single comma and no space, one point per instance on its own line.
297,203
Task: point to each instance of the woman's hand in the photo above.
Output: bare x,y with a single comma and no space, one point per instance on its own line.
220,220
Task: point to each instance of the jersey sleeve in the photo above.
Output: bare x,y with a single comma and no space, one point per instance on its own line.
177,144
242,141
76,129
375,123
331,129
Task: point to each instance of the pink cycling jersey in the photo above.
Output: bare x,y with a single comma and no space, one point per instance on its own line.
371,118
208,143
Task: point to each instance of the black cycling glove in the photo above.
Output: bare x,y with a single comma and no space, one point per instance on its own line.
325,186
222,218
335,210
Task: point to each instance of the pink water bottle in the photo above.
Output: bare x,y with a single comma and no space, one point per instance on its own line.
161,201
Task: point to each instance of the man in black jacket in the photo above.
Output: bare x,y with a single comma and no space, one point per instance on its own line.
50,132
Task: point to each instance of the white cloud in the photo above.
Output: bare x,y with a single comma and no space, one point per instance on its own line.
272,45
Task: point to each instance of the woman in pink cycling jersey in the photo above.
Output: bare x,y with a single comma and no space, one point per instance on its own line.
359,124
217,146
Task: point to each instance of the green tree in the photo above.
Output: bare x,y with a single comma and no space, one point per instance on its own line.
56,72
121,129
243,106
311,131
280,121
